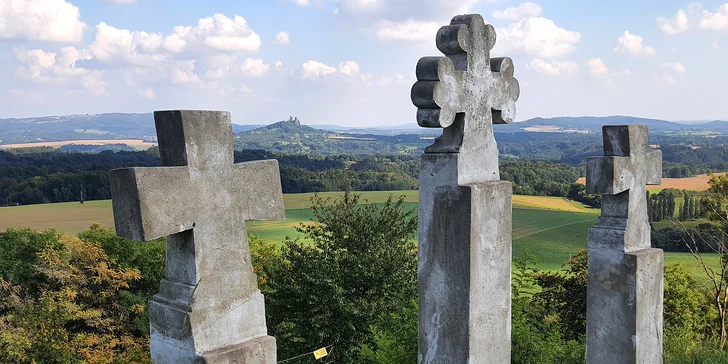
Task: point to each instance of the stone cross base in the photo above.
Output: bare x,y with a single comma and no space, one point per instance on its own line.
624,302
464,266
182,335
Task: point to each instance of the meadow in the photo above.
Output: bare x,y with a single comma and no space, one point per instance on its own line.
551,228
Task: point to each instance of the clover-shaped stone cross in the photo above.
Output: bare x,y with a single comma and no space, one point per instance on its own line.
466,93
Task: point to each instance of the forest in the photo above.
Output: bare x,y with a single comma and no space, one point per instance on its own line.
44,176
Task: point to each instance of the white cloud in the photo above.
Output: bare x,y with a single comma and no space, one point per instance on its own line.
349,68
184,73
674,67
301,2
674,25
537,36
525,10
115,46
559,69
120,47
312,70
282,38
220,33
245,89
597,68
226,67
664,80
94,84
408,31
624,72
715,21
694,16
44,20
40,67
254,68
715,46
364,13
361,6
146,93
632,44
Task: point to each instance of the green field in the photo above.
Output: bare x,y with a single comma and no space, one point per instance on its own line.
551,228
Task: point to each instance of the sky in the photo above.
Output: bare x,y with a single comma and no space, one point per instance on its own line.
352,62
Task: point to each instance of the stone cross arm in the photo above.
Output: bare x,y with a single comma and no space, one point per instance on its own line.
627,162
199,185
154,202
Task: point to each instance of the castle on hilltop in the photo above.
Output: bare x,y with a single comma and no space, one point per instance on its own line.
294,121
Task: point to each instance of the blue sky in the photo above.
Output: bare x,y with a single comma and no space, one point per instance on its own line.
351,62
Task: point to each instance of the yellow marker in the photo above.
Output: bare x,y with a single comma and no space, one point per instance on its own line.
320,353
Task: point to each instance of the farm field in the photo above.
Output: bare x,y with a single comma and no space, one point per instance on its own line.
697,183
134,143
552,229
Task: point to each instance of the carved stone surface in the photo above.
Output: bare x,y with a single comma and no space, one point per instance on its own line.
209,308
625,284
470,87
465,210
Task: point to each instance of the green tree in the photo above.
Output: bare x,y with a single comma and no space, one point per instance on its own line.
717,274
564,293
75,312
361,268
395,338
688,313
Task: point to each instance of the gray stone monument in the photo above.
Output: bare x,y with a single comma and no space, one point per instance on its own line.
465,210
209,308
625,285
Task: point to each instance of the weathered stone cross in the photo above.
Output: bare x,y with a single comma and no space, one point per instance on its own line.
209,308
625,284
626,166
466,93
464,271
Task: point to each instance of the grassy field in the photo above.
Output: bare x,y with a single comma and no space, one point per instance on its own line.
551,228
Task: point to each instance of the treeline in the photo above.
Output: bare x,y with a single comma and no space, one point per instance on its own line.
661,206
540,178
679,205
47,176
43,177
683,155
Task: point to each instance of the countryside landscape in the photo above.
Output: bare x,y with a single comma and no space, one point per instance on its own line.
62,186
363,182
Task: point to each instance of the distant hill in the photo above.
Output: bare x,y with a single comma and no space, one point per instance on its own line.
293,136
290,136
592,124
77,127
113,126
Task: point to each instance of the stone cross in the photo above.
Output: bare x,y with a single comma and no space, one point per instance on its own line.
464,268
625,284
209,308
470,90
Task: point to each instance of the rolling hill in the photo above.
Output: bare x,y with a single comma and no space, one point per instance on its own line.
291,136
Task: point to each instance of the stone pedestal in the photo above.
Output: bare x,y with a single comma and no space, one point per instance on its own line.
464,266
624,302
